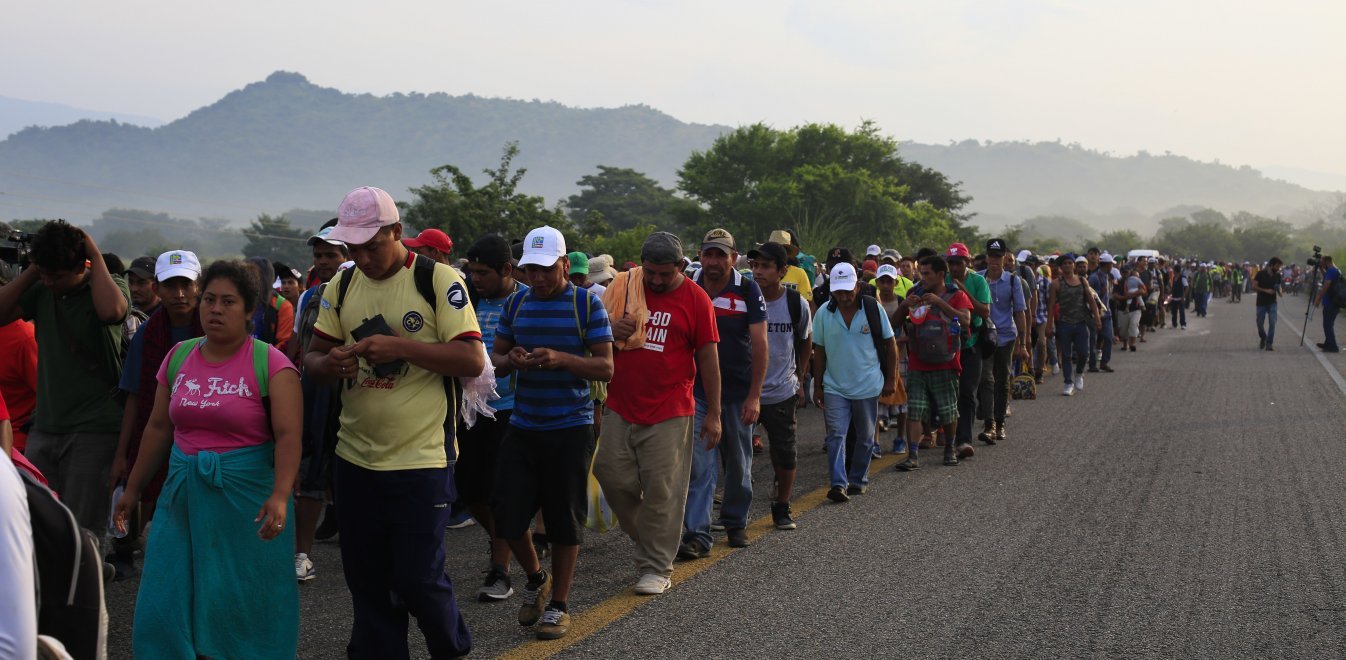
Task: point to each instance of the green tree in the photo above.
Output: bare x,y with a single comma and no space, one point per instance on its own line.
273,238
1121,241
822,181
626,198
1259,239
465,211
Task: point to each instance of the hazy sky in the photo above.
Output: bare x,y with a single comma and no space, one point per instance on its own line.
1260,83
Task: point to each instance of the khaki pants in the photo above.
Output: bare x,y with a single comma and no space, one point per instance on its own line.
644,471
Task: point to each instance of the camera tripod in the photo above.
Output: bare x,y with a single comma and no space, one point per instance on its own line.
1313,293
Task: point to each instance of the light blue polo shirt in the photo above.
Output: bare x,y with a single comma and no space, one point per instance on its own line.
1007,297
853,369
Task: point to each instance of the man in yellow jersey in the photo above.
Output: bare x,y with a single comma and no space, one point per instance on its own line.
391,329
795,278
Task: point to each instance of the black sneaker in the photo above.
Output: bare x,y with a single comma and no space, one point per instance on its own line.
1093,370
738,537
496,587
1261,343
838,495
693,549
1105,368
950,460
328,528
908,465
780,516
1133,349
855,489
1269,348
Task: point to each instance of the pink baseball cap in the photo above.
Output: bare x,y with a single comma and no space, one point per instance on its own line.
958,250
362,214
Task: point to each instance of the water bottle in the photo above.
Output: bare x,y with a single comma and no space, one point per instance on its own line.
112,515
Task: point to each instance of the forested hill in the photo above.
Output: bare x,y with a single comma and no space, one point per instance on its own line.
286,143
1011,181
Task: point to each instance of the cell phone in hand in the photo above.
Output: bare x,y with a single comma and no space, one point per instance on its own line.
378,326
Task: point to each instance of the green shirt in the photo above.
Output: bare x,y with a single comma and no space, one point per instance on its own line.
979,291
71,398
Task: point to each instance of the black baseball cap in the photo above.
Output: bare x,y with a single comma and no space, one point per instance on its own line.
770,251
838,255
996,245
143,267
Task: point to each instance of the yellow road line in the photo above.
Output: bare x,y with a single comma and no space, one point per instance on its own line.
600,616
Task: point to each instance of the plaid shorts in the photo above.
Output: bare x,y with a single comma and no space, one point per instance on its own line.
932,396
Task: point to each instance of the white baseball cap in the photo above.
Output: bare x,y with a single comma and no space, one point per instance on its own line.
1023,256
873,251
1106,258
543,247
177,263
888,270
842,277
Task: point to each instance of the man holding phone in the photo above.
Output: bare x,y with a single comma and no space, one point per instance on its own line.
395,445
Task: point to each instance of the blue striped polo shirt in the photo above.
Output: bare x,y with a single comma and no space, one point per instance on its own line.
550,399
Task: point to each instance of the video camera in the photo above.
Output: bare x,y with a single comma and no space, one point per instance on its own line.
1316,259
14,246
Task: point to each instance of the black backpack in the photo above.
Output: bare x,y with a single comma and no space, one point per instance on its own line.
423,272
69,572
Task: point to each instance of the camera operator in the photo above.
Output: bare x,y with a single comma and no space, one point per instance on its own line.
1267,284
77,308
1327,298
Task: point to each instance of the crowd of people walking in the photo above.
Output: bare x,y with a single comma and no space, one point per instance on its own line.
228,414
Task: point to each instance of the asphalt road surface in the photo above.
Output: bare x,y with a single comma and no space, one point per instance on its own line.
1189,505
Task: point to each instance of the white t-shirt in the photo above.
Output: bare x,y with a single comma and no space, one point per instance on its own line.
18,608
597,289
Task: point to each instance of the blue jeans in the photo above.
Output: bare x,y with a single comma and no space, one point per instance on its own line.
736,449
1104,333
1074,338
839,413
1267,314
1329,323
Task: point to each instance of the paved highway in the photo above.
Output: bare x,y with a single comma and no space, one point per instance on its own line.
1189,505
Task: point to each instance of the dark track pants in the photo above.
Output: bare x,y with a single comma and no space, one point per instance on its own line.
392,547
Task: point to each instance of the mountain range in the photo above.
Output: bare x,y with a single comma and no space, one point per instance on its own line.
285,143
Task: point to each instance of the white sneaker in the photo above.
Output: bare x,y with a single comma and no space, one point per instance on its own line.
1070,389
1079,383
303,567
650,584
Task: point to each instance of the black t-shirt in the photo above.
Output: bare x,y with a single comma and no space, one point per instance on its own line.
1265,280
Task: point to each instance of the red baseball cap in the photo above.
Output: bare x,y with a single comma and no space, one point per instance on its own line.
958,250
431,238
870,265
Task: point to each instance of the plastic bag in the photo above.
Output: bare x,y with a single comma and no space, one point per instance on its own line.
600,517
478,391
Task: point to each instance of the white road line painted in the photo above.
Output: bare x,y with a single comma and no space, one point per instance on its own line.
1308,345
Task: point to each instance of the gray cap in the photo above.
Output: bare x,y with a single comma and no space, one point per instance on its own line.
661,247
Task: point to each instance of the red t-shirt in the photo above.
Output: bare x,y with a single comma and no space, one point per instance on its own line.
958,301
654,383
18,376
